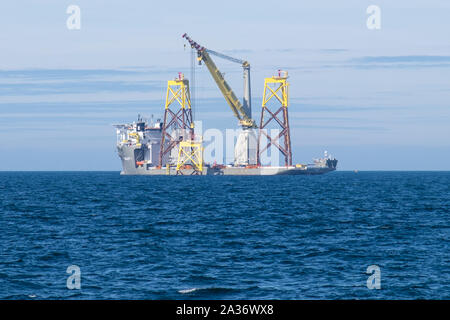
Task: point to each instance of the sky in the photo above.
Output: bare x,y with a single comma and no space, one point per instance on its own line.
376,99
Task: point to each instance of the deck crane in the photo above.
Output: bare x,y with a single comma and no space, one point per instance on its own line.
245,149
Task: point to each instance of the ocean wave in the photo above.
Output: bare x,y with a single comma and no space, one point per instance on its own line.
209,290
187,290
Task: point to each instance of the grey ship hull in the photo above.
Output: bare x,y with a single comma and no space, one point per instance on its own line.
127,155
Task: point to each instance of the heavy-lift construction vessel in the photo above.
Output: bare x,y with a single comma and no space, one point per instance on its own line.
171,146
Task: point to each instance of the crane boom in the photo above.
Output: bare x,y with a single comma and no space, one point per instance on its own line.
224,56
242,112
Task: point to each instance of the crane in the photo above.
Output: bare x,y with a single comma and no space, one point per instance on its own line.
242,111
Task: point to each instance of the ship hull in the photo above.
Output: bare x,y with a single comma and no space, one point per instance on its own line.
139,152
130,169
229,172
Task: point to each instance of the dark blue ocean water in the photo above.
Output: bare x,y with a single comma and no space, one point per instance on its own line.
303,237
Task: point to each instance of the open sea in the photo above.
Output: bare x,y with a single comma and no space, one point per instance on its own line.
218,237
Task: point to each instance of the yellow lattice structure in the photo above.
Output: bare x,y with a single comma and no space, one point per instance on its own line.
177,115
190,156
279,91
276,90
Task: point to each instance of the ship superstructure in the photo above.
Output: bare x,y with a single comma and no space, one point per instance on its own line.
139,145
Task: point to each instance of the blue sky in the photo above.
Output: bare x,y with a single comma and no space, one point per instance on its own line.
375,99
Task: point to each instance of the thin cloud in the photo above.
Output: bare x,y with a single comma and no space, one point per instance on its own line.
65,87
332,50
405,59
61,73
237,51
346,128
395,62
